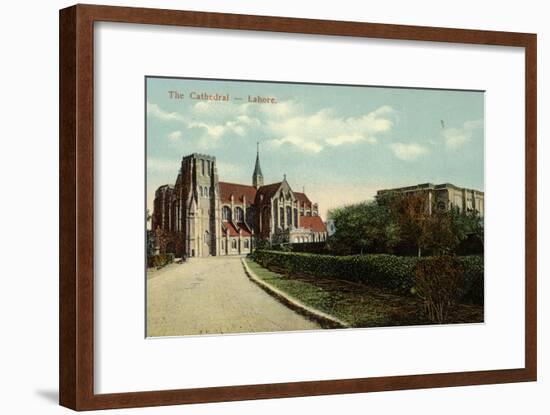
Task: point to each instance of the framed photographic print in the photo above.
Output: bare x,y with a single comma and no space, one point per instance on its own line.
257,207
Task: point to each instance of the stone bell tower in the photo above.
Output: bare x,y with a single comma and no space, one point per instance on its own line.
202,222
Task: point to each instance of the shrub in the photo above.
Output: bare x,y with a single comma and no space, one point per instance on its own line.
160,260
439,282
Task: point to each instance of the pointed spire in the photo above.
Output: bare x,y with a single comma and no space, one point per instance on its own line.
257,176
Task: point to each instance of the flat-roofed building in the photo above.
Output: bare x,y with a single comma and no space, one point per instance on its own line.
444,197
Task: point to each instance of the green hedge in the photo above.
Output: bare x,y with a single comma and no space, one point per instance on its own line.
389,271
473,279
396,273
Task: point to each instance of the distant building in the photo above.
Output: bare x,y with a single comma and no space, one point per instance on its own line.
445,197
200,216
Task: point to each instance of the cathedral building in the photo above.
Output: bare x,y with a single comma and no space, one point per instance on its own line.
201,216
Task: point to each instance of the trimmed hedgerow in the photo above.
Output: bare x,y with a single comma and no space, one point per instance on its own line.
388,271
396,273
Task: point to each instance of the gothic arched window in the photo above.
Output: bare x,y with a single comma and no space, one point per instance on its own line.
282,216
202,194
250,215
226,213
288,215
239,214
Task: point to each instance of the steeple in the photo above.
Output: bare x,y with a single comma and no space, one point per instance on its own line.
257,176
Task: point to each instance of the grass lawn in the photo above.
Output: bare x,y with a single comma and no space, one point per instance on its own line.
358,304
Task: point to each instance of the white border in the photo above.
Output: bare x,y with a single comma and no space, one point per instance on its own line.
125,361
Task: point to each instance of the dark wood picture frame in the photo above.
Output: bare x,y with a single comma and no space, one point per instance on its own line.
76,179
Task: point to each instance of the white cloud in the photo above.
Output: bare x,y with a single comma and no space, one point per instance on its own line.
286,122
155,111
299,142
313,132
282,109
175,135
213,130
215,110
217,119
349,139
216,131
457,137
408,152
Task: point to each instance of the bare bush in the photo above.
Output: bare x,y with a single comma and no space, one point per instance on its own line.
439,281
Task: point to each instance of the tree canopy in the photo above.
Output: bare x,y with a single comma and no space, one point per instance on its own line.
403,224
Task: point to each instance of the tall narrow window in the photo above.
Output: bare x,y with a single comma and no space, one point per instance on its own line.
288,215
295,217
250,215
202,167
226,213
282,216
239,214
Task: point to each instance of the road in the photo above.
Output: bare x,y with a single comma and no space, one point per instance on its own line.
213,296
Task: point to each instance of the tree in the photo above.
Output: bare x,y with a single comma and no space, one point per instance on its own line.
467,223
411,213
363,227
469,228
438,236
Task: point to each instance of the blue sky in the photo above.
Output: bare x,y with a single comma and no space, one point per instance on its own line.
341,143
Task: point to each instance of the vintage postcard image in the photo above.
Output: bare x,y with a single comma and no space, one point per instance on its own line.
277,206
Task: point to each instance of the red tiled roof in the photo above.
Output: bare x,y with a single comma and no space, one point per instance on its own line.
315,223
229,227
302,198
238,191
244,230
268,190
